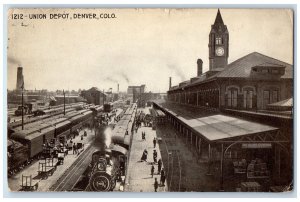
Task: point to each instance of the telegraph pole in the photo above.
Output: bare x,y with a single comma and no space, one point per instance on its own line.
23,106
64,102
103,97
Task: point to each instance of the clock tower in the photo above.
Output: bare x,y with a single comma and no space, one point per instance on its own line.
218,44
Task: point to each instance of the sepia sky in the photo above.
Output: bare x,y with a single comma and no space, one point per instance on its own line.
139,46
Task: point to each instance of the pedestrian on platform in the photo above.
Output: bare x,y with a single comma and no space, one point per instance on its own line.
155,156
162,180
155,185
74,148
144,156
162,177
152,170
159,166
154,142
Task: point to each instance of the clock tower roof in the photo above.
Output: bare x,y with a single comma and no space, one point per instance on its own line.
219,19
219,26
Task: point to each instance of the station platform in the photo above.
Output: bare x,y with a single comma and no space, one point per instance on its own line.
138,178
44,185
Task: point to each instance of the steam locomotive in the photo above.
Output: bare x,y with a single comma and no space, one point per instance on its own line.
106,169
108,162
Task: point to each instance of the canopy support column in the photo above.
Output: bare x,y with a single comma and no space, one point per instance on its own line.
221,170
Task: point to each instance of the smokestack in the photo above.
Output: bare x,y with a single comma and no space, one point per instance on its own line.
170,83
20,79
118,88
199,67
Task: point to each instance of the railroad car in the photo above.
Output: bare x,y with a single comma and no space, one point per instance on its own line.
108,107
36,134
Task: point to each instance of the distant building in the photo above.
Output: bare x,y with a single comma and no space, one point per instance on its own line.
146,97
134,92
59,99
94,96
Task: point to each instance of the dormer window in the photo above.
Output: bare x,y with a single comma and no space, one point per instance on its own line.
218,41
268,69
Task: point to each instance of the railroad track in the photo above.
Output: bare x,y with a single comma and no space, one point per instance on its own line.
173,170
71,176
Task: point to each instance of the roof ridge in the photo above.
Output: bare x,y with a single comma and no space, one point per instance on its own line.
272,58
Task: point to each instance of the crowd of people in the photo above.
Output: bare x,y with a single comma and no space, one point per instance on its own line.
160,170
64,146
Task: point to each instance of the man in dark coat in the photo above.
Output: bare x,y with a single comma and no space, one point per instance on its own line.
154,142
152,170
162,180
74,148
162,177
155,185
143,136
159,166
155,156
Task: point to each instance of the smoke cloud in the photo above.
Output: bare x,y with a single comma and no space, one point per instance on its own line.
178,71
124,76
13,61
111,80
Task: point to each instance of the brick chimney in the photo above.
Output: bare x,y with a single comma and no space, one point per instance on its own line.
170,83
199,67
20,79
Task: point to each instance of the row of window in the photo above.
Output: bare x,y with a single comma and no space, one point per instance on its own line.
269,96
247,101
272,71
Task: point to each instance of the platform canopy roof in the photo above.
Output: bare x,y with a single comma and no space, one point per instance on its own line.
214,126
284,103
218,127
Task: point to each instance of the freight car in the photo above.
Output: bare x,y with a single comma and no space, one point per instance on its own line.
38,133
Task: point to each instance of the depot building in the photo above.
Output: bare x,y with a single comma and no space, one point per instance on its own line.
223,114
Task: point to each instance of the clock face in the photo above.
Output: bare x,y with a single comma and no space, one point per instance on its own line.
220,51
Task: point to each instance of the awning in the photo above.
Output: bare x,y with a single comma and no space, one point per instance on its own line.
215,126
283,105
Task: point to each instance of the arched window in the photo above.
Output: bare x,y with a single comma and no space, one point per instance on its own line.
270,96
232,96
248,99
219,41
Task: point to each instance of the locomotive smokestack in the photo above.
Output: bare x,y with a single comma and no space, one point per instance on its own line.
170,83
199,67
